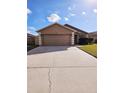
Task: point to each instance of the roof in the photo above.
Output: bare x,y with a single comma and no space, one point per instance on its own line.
77,29
93,33
59,25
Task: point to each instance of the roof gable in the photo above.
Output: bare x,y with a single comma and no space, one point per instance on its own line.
54,25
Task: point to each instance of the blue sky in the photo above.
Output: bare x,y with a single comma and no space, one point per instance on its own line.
79,13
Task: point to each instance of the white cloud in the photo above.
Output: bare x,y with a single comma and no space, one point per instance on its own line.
31,30
83,13
66,19
71,14
28,31
29,11
95,10
69,8
33,33
54,18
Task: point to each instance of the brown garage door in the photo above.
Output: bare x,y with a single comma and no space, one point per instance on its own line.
56,40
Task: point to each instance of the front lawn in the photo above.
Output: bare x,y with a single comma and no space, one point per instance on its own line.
91,49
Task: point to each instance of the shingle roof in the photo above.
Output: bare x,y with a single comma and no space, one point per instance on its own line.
77,29
95,32
59,25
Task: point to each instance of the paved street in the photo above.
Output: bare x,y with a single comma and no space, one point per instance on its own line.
61,69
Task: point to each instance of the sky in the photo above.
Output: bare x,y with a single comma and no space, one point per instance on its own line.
79,13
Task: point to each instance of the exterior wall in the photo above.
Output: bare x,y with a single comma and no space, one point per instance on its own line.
72,39
40,39
36,40
93,35
83,35
56,29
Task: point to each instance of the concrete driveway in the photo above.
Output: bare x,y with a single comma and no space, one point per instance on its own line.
61,69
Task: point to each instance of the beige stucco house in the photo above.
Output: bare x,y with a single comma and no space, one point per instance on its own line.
57,34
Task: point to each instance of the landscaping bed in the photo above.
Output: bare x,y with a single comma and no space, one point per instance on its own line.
29,47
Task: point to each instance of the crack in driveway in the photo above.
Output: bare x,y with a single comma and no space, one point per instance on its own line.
49,80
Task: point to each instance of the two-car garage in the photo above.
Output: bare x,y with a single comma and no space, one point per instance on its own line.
54,40
56,34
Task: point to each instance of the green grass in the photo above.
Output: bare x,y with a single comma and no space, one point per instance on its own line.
91,49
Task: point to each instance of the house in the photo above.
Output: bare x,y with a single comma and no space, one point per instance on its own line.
57,34
93,35
82,36
30,39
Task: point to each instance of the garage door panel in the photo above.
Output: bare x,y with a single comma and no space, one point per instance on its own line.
56,39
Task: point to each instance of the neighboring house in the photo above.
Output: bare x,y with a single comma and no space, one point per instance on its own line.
57,34
93,35
30,39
